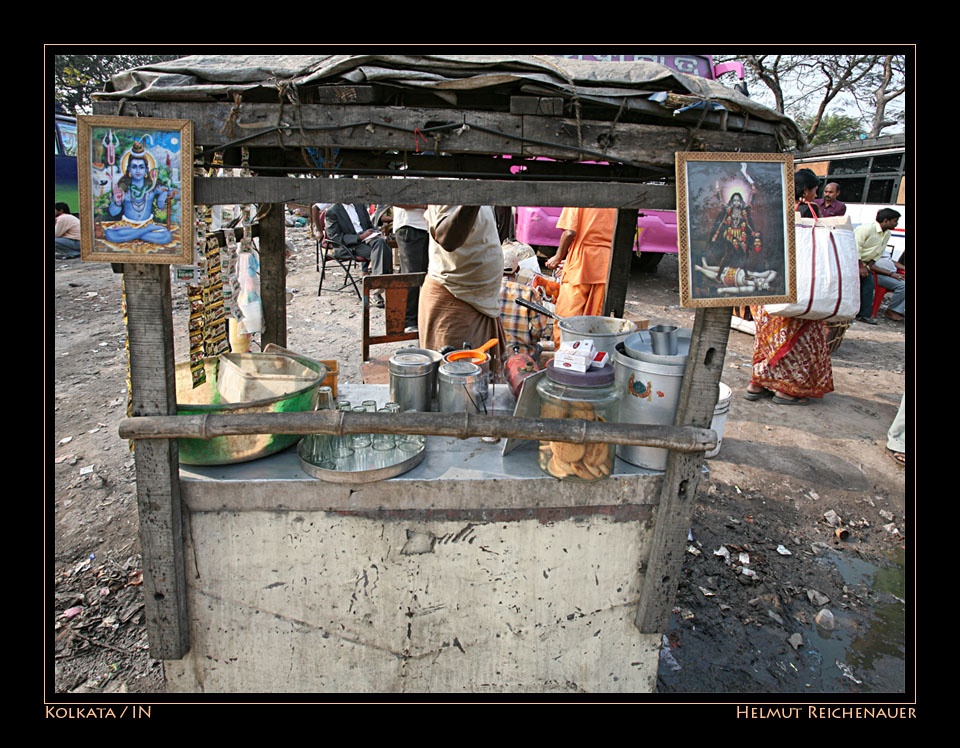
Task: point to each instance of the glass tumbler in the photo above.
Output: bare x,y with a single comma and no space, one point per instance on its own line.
361,441
411,442
342,445
384,442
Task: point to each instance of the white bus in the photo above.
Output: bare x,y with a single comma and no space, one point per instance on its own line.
870,174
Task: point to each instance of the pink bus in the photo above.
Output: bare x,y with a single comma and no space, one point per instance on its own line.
656,229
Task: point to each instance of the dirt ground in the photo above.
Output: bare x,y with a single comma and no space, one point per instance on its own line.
763,562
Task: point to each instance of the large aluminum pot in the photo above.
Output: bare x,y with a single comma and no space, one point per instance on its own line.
605,332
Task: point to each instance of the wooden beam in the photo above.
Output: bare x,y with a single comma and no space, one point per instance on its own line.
621,258
273,276
448,130
153,393
698,397
244,190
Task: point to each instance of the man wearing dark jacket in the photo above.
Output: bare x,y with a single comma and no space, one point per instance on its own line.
349,224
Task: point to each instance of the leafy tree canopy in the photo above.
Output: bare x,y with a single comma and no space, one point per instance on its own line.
76,77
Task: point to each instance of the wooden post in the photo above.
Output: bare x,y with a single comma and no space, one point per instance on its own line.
153,392
273,277
621,257
698,398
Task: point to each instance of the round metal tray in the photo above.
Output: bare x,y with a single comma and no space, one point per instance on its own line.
366,467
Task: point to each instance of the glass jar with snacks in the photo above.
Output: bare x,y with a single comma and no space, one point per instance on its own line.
591,395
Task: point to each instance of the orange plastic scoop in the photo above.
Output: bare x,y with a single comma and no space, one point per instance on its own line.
473,353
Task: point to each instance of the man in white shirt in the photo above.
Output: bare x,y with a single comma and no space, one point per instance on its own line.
350,225
66,232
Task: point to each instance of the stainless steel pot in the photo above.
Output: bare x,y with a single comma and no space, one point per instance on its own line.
461,387
605,332
413,378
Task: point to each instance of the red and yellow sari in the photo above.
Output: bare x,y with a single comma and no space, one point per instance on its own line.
791,355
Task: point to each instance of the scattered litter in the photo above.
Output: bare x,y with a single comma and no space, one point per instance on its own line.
817,598
71,612
737,488
814,495
723,553
825,620
832,518
886,515
749,573
86,470
795,641
744,558
892,528
706,592
693,550
783,551
666,656
847,671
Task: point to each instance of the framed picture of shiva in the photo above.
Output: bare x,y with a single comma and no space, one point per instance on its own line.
735,229
136,189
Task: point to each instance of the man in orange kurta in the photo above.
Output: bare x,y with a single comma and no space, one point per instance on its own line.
585,248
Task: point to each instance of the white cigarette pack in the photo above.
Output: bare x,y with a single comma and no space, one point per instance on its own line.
575,355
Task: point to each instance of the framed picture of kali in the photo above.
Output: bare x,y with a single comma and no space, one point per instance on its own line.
136,189
735,229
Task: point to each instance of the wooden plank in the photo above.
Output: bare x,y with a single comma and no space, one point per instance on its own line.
542,105
273,276
153,392
244,190
698,397
436,129
621,258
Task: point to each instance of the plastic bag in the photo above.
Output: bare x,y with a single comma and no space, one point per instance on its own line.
248,299
828,274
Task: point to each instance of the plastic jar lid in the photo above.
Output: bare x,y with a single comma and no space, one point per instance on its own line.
589,378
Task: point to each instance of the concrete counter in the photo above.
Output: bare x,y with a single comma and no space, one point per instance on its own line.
473,572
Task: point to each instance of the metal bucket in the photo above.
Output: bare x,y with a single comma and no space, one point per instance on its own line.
605,332
720,417
651,393
413,376
461,388
224,450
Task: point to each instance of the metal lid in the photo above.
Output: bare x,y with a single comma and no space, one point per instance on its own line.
459,370
409,363
639,346
589,378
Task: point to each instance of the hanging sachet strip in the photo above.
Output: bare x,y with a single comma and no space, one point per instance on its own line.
215,321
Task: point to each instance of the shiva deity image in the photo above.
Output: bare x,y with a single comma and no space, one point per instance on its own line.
132,200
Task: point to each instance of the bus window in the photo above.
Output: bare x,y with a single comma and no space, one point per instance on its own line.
880,191
882,164
65,160
68,134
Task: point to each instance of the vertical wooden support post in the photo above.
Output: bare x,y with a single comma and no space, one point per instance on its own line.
621,258
698,398
153,391
273,276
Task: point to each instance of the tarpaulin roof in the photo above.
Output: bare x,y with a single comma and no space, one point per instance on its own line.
209,78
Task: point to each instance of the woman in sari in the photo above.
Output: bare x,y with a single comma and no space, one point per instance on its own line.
791,360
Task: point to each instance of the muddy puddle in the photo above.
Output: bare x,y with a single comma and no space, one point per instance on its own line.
768,642
862,654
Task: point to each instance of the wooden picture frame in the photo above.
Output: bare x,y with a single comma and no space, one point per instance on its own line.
735,229
135,179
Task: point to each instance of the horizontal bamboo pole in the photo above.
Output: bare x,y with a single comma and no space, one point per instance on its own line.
459,425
